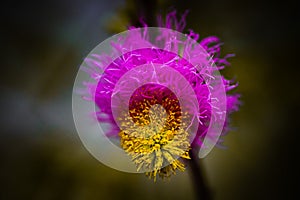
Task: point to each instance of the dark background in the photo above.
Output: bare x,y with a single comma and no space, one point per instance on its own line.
42,46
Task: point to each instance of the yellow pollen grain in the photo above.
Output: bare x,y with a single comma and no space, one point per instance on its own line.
157,139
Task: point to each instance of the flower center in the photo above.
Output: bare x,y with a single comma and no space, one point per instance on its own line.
158,137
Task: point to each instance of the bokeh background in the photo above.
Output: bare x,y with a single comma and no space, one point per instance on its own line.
42,46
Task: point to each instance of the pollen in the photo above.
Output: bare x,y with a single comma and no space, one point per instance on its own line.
154,134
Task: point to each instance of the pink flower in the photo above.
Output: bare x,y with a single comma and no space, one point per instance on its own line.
157,145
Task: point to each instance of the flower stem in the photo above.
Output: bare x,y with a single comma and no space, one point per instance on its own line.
199,182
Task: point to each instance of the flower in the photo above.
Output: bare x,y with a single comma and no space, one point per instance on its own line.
153,125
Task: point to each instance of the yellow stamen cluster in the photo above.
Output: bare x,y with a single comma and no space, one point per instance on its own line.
154,136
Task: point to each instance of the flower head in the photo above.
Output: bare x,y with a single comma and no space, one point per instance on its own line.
157,102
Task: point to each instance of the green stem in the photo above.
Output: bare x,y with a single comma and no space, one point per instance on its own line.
199,182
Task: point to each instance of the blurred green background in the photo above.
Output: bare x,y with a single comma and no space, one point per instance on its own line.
43,44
